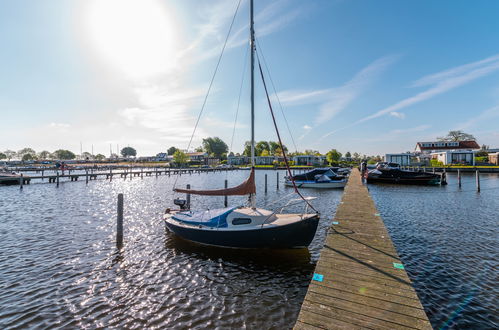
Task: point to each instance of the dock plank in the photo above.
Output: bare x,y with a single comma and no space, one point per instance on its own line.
361,288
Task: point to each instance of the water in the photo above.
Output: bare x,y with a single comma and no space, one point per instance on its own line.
59,266
448,241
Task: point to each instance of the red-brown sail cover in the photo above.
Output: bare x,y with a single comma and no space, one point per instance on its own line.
245,188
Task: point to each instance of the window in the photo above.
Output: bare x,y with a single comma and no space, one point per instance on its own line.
241,221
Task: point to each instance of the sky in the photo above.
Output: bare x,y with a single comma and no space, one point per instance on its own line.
364,76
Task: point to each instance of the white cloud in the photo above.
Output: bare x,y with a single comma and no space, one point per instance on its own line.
397,114
444,81
59,125
306,127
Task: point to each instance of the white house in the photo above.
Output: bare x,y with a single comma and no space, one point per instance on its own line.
237,160
462,157
308,160
431,147
401,159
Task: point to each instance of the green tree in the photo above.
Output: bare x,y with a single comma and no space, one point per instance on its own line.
356,156
28,157
199,149
100,157
247,149
215,146
64,154
26,151
311,152
348,154
44,155
180,157
456,136
3,156
260,147
273,147
10,154
333,156
128,152
265,153
86,155
171,151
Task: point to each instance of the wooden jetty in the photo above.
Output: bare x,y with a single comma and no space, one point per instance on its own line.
359,280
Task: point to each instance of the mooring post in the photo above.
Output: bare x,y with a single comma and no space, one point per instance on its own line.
459,177
142,172
119,223
265,183
188,198
156,170
477,180
110,174
277,181
225,196
42,174
433,170
21,181
57,179
86,176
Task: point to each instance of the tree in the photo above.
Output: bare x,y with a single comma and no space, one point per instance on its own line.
44,155
348,154
3,156
64,154
265,153
86,155
10,154
180,157
356,156
199,149
260,147
456,136
215,146
171,151
312,152
273,147
100,157
27,157
247,149
128,151
333,156
26,151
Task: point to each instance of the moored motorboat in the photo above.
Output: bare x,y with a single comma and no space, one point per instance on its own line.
9,178
322,178
391,173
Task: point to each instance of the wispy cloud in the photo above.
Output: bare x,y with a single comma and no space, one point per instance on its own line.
335,100
486,115
443,81
397,114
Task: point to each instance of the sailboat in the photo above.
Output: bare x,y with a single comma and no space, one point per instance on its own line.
245,226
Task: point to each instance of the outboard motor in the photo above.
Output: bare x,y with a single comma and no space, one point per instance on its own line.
182,203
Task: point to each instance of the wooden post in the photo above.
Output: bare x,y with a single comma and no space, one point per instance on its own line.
86,176
433,170
277,181
265,183
119,224
142,173
21,181
155,169
477,180
42,174
110,174
188,199
459,177
57,179
225,196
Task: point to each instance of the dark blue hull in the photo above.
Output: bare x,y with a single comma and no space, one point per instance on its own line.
294,235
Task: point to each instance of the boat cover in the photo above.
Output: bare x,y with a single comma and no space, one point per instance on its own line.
216,218
311,176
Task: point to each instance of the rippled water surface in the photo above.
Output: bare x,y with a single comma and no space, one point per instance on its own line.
448,239
59,266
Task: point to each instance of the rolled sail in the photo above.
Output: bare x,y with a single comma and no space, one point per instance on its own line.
245,188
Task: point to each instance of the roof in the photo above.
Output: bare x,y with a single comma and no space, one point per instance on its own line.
196,153
435,146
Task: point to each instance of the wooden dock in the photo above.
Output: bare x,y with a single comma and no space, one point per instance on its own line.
359,280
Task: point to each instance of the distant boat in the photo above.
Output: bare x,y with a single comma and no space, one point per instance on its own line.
391,173
322,178
239,226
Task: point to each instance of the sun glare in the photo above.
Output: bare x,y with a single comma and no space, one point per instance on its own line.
136,36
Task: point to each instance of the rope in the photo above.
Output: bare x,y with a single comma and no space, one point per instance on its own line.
279,136
211,82
276,96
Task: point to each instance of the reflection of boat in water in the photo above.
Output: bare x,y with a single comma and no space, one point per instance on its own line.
319,178
244,227
391,173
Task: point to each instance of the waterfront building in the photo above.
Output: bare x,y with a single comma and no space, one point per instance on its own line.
494,158
237,160
401,159
431,147
309,160
455,157
264,160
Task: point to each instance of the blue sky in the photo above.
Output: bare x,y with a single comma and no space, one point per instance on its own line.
362,76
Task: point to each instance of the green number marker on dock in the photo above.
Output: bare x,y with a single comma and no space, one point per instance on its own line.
318,277
336,223
398,266
377,214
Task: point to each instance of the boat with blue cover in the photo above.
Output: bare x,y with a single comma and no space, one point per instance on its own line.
317,178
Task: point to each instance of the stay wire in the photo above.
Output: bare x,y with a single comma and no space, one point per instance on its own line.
275,93
279,136
211,82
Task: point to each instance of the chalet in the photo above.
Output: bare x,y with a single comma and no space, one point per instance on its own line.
401,159
455,157
237,160
494,158
264,160
309,160
197,156
431,147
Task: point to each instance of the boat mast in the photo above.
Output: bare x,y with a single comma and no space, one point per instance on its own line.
252,60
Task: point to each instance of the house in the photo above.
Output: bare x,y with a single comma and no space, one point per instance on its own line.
211,161
237,160
455,157
196,156
494,158
401,159
431,147
309,160
161,157
264,160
